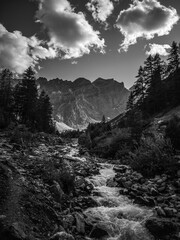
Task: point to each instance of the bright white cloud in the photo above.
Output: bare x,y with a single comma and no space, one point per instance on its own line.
145,19
162,50
69,32
18,52
101,9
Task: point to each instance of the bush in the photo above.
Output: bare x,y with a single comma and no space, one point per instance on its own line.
113,145
154,156
173,132
70,134
59,171
21,136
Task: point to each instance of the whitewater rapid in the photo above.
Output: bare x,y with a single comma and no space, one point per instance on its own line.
116,214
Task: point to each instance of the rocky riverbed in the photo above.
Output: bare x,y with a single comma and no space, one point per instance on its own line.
48,191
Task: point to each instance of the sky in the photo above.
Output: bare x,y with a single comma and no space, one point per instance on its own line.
86,38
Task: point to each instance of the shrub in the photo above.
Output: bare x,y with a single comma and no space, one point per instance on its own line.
113,145
173,132
59,171
85,140
70,134
153,156
21,136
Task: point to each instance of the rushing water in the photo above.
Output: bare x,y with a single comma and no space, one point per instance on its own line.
72,152
116,214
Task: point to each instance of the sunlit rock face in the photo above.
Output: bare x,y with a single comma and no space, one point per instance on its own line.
82,102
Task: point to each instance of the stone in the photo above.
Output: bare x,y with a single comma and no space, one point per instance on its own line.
141,200
80,223
120,169
13,232
111,183
153,192
170,212
159,181
98,233
57,191
162,188
151,201
139,177
62,236
160,212
68,221
160,199
127,184
159,227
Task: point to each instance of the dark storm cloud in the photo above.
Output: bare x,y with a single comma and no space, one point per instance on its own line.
69,32
145,19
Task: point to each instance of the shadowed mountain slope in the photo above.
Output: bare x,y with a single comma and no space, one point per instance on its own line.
81,102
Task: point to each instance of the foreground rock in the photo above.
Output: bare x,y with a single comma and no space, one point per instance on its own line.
161,228
42,193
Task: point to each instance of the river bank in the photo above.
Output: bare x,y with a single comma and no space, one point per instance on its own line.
49,191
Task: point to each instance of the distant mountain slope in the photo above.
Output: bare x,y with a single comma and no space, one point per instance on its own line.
80,102
61,127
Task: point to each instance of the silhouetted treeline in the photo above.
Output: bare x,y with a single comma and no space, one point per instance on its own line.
157,85
22,103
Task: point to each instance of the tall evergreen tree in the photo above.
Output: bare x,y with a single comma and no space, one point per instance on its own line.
148,70
103,119
173,59
26,98
130,103
140,88
44,113
6,97
155,95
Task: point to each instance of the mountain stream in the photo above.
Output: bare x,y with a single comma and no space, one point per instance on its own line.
116,214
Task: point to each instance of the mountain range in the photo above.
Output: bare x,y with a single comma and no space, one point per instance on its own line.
78,103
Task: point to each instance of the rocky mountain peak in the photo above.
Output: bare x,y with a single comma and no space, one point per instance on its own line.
80,102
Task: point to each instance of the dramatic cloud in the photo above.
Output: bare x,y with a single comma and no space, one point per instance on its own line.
69,32
101,9
146,19
162,50
18,52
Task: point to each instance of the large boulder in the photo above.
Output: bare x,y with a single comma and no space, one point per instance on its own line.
13,232
98,233
160,227
57,191
68,221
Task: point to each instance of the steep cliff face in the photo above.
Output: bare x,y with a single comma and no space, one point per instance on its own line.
81,102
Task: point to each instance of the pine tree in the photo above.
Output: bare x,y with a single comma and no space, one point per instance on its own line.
130,102
155,95
173,59
103,119
6,97
44,113
159,65
136,125
140,88
148,70
26,98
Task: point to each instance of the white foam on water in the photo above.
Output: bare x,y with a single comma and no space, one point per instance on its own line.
116,214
